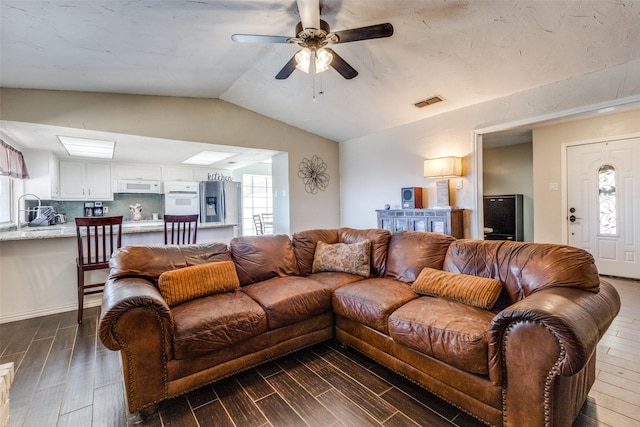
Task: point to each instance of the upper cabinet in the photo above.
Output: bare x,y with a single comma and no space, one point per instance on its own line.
170,173
137,172
85,181
43,174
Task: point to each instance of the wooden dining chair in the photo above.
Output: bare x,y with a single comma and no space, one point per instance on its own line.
180,229
98,238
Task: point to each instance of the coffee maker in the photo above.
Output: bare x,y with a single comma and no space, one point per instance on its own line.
88,208
93,209
98,209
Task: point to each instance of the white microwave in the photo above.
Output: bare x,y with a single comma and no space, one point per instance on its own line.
138,186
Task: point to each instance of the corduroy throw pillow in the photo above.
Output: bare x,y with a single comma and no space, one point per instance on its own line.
480,292
343,257
184,284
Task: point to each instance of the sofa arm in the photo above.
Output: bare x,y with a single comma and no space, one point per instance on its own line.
577,318
125,294
549,335
137,321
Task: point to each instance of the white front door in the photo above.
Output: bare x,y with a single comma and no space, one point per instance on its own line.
603,200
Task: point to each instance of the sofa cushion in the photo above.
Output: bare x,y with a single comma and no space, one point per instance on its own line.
334,279
480,292
260,258
411,251
371,301
304,246
454,333
343,257
288,300
379,239
184,284
210,323
150,262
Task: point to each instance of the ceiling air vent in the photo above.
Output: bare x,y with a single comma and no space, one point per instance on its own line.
430,101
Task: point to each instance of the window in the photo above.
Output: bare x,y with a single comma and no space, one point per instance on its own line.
5,199
607,199
256,200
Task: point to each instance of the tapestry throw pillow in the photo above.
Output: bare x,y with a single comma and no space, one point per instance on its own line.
184,284
343,257
477,291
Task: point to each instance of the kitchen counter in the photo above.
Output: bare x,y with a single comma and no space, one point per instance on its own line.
38,265
69,230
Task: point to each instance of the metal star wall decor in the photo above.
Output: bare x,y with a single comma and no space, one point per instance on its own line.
314,174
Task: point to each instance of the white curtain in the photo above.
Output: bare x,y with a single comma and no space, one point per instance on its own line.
12,162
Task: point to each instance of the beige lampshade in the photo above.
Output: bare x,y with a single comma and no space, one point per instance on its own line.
443,167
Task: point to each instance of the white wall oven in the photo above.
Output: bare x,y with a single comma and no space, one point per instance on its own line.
181,198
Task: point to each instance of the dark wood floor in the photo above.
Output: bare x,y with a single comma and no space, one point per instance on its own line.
65,377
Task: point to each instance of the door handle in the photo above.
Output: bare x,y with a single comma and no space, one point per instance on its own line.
573,218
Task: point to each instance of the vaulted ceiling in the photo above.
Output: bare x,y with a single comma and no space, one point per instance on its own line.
464,51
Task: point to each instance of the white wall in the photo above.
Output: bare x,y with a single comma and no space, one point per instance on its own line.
374,168
282,207
191,119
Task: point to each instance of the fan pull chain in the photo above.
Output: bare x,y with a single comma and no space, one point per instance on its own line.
312,70
321,91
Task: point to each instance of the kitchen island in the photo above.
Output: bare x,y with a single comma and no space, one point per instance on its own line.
38,265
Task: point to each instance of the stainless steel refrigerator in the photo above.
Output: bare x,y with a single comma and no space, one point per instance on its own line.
221,201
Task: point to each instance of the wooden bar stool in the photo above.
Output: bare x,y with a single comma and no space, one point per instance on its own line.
180,229
257,223
267,223
98,238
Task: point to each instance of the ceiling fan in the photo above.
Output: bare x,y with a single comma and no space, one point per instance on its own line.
312,35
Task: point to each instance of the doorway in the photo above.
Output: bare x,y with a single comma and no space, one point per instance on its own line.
603,199
507,169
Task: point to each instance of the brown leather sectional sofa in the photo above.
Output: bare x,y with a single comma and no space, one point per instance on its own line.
530,360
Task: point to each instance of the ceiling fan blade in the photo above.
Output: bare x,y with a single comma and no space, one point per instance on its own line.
341,66
309,13
255,38
288,68
364,33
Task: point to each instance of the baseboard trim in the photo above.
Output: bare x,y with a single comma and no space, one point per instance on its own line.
89,302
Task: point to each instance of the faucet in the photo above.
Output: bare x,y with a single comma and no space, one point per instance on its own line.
25,210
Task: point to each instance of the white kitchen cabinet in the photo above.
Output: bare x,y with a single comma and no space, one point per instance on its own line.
85,181
170,173
43,179
137,172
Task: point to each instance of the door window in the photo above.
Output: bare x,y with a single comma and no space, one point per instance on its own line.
607,200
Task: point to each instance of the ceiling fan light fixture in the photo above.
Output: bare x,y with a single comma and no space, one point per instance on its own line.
303,58
323,59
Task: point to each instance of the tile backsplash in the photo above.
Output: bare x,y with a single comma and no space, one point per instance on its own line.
151,203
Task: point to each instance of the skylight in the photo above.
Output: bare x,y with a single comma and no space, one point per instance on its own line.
86,147
207,157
